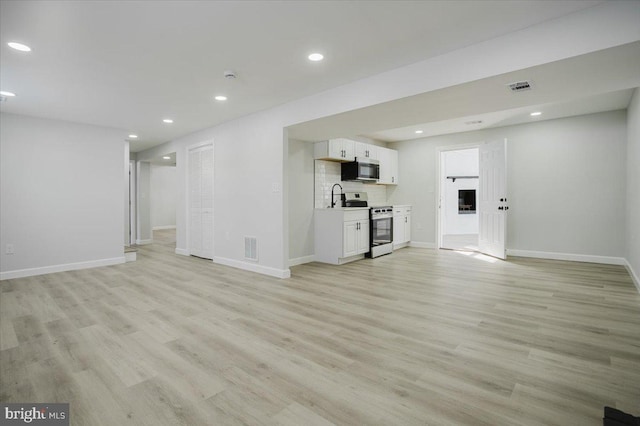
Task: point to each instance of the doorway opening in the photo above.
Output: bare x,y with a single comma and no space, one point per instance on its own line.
163,196
459,184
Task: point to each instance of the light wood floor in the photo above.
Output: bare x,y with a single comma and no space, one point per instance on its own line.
460,241
420,337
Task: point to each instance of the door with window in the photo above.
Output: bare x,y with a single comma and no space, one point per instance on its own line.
200,170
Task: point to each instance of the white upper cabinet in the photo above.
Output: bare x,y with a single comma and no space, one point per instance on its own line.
388,166
364,150
344,150
340,149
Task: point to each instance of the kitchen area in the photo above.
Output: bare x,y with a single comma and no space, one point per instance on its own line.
352,216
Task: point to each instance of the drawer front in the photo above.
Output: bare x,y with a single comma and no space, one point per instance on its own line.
400,211
356,215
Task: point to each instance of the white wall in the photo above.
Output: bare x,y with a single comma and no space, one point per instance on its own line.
249,169
301,169
632,249
62,195
458,163
143,194
566,183
127,230
164,196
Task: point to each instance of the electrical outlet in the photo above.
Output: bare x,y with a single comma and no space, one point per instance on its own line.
9,249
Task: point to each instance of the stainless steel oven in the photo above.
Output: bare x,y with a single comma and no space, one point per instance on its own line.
380,231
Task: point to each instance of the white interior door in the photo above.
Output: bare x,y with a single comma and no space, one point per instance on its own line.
492,193
201,202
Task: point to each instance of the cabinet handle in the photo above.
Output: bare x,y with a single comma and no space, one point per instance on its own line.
393,179
405,219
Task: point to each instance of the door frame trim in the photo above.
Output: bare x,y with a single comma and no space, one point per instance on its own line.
439,182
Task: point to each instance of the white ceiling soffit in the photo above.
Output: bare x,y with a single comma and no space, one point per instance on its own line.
129,64
588,79
588,105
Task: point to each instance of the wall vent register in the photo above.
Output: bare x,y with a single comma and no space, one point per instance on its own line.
520,86
250,248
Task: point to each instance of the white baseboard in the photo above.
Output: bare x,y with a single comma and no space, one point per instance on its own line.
143,242
21,273
301,260
253,267
159,228
634,276
417,244
182,252
567,256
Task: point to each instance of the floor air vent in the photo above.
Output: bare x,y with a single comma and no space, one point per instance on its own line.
520,86
250,248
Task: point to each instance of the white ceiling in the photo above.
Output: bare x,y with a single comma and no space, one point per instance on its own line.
584,105
129,64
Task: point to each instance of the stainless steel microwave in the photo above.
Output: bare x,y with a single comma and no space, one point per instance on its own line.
363,169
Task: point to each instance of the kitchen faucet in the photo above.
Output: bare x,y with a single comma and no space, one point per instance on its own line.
333,203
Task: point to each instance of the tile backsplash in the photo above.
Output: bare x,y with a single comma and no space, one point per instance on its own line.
328,172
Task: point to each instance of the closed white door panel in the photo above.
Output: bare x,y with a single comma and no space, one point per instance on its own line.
201,202
492,194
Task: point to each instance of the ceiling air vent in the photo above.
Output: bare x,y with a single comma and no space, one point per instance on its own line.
520,86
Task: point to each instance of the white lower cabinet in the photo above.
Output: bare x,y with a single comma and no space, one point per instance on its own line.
341,235
355,237
401,226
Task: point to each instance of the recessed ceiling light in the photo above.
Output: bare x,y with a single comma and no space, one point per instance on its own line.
166,157
535,114
168,120
315,57
220,98
19,46
8,94
132,136
419,131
